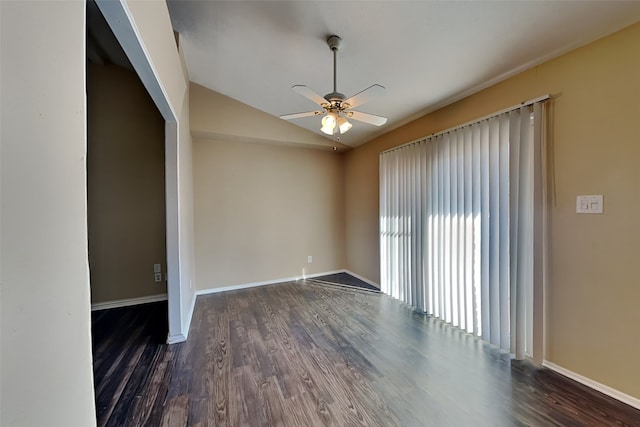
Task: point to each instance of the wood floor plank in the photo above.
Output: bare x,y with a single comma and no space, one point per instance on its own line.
149,391
303,354
177,412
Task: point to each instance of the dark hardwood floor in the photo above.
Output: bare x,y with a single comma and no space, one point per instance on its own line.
301,354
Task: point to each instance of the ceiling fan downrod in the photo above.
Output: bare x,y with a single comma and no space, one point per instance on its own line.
335,98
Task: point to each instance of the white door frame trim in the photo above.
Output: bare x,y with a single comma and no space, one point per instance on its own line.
122,24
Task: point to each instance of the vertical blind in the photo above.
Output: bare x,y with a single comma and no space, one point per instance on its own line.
456,225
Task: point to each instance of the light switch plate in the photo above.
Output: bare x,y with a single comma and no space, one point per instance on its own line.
157,268
592,204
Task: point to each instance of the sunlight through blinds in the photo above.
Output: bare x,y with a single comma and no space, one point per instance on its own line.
456,226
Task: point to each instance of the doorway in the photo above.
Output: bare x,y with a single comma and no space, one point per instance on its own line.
126,208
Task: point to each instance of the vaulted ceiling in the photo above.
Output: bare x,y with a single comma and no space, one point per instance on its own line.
426,53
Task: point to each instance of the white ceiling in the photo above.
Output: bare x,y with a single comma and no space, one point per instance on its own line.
426,53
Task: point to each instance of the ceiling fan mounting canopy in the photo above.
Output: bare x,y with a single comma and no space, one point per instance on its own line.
334,42
335,104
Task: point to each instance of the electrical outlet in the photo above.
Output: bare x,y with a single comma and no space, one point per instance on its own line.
157,277
309,259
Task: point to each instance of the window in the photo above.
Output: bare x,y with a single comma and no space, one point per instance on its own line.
457,225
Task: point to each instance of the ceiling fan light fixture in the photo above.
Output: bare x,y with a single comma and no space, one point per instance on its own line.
344,125
329,123
327,130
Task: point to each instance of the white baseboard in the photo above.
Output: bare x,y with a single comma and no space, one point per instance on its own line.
175,339
178,338
364,279
266,282
611,392
128,302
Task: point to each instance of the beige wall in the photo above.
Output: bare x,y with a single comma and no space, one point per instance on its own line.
261,210
593,295
45,345
267,195
216,116
153,27
125,177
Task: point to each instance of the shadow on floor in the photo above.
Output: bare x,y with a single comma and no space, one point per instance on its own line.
343,279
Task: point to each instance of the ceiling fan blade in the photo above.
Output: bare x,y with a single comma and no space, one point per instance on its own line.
365,95
299,115
366,118
309,94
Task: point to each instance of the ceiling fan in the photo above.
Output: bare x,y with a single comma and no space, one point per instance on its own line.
335,104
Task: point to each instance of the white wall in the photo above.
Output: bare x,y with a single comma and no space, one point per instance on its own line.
187,240
46,376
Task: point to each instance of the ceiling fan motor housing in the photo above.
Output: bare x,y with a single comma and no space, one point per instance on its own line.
336,101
